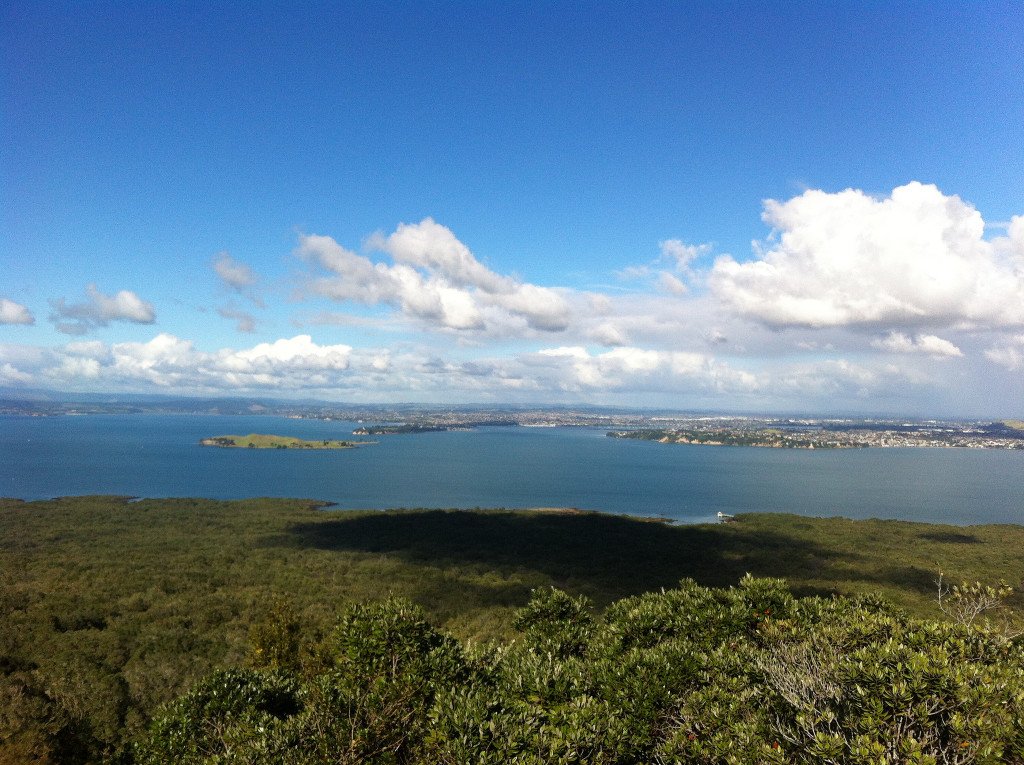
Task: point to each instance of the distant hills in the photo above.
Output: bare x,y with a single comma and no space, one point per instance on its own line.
38,401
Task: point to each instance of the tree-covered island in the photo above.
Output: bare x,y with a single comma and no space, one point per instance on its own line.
261,441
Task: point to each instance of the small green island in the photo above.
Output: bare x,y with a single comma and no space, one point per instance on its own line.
261,441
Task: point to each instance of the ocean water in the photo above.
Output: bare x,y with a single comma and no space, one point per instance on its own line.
513,467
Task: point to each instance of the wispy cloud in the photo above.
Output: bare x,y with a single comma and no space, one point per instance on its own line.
237,276
233,273
681,254
1009,353
244,322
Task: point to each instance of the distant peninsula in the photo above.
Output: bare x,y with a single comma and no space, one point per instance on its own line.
427,427
773,439
838,434
390,430
261,441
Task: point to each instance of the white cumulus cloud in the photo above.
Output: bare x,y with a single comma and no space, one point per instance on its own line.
11,375
89,349
1008,354
171,362
299,351
433,247
671,283
929,345
15,313
434,278
99,310
914,258
608,333
574,368
1012,245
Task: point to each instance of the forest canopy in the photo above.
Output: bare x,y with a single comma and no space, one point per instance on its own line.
117,612
690,675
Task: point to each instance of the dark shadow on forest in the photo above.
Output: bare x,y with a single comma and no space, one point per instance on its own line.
950,537
592,552
915,578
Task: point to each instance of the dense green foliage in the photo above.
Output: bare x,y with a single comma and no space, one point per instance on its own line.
691,675
112,608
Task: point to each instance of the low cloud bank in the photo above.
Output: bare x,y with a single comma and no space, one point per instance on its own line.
851,299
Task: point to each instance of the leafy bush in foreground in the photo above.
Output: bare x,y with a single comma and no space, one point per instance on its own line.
748,674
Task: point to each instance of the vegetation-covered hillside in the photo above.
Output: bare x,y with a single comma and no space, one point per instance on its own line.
689,675
112,608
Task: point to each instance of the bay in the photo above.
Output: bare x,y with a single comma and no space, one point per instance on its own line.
514,467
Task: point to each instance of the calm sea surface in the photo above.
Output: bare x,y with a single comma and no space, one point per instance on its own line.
160,456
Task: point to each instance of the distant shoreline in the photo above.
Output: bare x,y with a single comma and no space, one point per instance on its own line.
851,438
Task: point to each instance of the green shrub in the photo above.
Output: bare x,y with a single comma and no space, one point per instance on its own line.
230,717
747,674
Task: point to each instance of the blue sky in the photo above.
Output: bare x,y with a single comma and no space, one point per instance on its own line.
518,202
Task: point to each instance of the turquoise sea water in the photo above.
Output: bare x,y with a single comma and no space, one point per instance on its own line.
160,456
